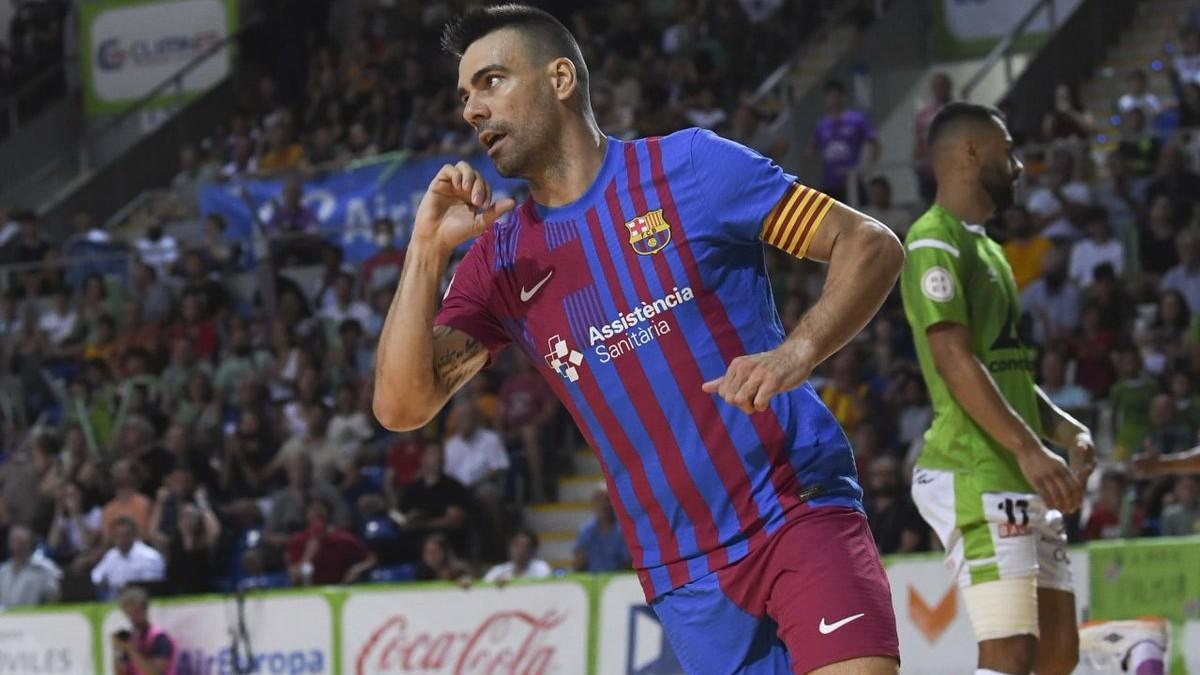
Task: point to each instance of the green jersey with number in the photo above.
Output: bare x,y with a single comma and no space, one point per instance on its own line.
955,273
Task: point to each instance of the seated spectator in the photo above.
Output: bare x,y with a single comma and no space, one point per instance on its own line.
137,441
600,546
1185,67
1187,404
27,577
1176,179
1053,301
403,463
345,306
1104,521
158,250
154,294
74,529
1131,399
143,648
1182,517
198,277
349,427
127,502
475,457
1070,397
380,532
522,547
1025,249
60,324
324,554
1060,201
434,501
1184,277
329,458
282,152
1068,119
1138,145
195,326
255,572
879,206
353,359
382,269
238,360
1123,195
190,548
526,407
287,504
129,560
294,228
915,414
1157,238
438,562
1138,95
846,395
1100,247
1163,431
895,522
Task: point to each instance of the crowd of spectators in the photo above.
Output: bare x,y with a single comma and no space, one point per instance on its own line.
171,432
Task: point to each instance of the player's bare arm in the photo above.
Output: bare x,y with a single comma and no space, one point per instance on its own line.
1063,430
973,387
864,259
1151,463
419,367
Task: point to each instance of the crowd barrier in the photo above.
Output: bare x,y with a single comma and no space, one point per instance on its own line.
573,624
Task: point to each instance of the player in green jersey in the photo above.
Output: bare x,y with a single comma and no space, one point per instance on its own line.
985,481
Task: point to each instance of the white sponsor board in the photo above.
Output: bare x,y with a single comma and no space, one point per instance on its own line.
982,19
45,643
134,45
520,629
631,641
289,634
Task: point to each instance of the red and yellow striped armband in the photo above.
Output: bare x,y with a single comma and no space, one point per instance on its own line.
793,223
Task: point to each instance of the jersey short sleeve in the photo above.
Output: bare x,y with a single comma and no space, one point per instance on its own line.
753,198
932,283
468,305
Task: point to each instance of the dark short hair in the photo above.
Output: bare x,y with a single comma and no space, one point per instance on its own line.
834,86
546,34
526,532
1095,214
956,115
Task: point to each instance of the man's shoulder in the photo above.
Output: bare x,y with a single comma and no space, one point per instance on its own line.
933,224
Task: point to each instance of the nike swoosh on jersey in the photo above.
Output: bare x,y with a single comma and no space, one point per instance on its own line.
526,295
827,628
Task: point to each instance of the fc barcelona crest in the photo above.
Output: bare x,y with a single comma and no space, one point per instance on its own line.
649,233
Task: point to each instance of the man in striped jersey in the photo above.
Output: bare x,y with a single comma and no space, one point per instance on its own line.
633,277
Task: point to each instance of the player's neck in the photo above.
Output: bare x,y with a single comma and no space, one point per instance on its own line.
970,206
577,163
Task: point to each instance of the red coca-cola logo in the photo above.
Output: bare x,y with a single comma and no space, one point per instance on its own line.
504,643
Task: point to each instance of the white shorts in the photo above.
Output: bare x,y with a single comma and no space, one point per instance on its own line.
993,535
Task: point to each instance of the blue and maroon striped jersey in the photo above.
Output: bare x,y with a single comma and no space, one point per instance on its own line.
631,297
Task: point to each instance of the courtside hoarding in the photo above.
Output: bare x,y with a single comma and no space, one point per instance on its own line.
128,47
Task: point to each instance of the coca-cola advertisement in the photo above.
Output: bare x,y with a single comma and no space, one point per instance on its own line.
517,630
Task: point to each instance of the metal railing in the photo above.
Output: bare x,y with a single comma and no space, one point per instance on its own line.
1003,51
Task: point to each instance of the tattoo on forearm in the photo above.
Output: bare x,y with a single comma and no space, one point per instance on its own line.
452,367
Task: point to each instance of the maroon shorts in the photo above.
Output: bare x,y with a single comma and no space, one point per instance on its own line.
813,594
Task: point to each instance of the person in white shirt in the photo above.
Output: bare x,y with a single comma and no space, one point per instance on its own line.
522,547
475,456
129,560
1139,96
1186,65
27,578
1185,277
158,250
1052,300
345,305
1100,247
1059,201
60,324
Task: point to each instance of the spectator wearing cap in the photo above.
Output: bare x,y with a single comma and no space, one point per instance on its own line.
1099,248
1025,249
27,577
129,560
600,546
1185,276
522,563
323,553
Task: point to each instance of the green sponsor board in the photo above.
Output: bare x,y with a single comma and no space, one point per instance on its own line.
128,47
1153,577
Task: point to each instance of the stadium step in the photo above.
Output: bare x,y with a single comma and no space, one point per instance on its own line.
556,545
560,517
586,463
579,488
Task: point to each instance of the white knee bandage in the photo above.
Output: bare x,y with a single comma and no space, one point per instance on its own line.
1004,608
985,671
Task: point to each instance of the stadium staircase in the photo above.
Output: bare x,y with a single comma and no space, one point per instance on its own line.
558,523
1140,46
